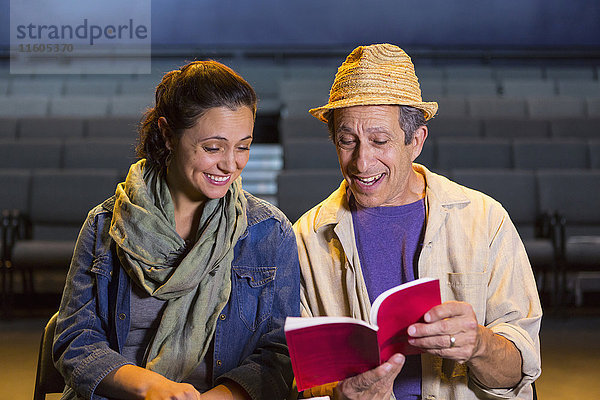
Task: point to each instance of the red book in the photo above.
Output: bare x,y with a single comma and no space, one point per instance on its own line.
329,349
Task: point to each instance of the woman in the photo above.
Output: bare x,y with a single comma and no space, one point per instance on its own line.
181,282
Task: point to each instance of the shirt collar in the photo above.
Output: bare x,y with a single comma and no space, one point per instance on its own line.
438,194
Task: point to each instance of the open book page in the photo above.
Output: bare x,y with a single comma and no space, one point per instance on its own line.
292,323
329,349
396,309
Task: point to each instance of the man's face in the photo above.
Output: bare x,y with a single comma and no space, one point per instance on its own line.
373,157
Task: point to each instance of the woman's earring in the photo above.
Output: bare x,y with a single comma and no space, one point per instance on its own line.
169,157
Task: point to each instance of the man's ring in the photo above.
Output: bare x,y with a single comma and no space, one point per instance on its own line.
452,341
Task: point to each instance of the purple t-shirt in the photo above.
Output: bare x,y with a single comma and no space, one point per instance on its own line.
389,241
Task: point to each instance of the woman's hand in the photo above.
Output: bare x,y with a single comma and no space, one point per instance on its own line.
227,391
133,382
170,390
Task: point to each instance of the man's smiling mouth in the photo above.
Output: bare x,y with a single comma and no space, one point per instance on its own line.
369,181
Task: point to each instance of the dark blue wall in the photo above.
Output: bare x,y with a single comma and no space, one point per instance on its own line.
405,22
300,23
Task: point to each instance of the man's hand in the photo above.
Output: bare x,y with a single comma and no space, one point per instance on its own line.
450,331
375,384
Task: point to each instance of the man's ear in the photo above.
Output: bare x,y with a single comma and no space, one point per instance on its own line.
419,140
166,132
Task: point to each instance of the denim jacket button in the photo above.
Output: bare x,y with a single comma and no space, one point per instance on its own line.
222,317
122,316
219,363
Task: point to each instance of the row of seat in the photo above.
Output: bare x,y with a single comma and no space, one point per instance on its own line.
554,127
76,106
478,107
64,127
325,66
72,87
526,194
303,127
501,72
510,87
435,87
282,82
448,153
112,153
569,198
556,212
70,153
55,201
43,209
89,106
430,86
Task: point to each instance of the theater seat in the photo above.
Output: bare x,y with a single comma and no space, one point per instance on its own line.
30,153
14,199
113,127
544,153
111,153
575,195
300,190
515,128
79,106
47,378
497,107
440,127
576,128
8,128
24,106
58,205
473,153
50,127
594,154
309,153
556,107
516,190
301,128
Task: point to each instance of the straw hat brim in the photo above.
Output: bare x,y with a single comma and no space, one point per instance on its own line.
429,108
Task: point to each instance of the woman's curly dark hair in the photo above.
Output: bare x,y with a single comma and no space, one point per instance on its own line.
183,96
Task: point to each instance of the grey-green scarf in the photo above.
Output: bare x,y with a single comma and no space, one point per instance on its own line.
196,285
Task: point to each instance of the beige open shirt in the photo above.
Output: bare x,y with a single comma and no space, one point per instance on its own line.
470,245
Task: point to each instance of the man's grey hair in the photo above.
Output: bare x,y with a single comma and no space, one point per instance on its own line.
411,119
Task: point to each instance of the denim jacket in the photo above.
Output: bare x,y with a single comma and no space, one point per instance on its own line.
249,342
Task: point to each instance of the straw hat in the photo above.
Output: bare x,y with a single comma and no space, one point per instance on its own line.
376,75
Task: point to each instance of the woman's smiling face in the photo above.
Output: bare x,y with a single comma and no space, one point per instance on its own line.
209,156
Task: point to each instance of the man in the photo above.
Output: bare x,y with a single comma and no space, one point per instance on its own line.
392,221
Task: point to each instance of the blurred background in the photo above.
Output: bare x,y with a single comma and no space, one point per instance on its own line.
518,87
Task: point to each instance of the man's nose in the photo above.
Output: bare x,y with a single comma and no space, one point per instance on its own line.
363,158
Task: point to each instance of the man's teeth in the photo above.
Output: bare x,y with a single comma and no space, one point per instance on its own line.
217,178
370,180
